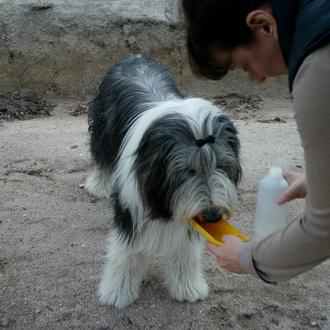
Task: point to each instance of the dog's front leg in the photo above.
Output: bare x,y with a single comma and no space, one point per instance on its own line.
122,275
184,277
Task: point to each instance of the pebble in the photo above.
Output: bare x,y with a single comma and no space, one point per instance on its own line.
74,146
5,323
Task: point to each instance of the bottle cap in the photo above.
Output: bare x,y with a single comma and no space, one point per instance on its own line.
276,172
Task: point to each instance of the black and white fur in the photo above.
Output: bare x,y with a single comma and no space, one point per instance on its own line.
163,159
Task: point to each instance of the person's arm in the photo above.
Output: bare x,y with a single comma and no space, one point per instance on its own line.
304,243
229,254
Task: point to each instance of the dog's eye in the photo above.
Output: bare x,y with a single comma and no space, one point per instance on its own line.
218,166
191,172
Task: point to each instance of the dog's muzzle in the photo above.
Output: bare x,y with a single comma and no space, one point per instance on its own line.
211,215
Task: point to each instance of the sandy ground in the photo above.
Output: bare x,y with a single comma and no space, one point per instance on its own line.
52,237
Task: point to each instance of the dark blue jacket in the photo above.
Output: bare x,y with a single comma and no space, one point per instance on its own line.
303,26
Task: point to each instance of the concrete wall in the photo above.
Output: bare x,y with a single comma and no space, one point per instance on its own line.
63,48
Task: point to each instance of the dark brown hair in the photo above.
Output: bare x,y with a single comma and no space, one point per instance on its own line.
216,25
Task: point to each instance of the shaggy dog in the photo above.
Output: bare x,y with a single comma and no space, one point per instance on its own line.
163,160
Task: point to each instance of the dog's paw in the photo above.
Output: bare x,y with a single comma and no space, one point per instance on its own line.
118,295
189,290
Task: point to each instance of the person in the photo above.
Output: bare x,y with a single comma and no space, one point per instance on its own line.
267,39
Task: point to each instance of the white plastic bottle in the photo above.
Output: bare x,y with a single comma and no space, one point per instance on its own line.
270,216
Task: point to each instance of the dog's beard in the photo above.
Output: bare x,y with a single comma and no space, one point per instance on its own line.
218,195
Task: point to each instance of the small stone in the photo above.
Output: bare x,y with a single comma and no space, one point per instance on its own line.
5,323
11,110
74,146
81,186
29,107
314,324
247,316
41,6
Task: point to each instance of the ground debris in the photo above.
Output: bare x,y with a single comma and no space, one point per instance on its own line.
276,119
239,106
23,104
79,109
41,6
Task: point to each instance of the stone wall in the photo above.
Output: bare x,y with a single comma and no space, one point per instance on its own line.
63,48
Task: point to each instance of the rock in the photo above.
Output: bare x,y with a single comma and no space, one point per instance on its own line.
65,47
10,110
5,322
26,95
41,6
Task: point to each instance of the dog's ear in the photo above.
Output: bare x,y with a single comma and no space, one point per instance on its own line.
151,169
225,131
226,136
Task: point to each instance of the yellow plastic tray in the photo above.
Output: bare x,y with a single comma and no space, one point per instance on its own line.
213,232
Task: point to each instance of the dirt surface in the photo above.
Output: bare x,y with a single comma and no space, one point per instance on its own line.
52,235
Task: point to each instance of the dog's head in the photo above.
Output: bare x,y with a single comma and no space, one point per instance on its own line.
187,163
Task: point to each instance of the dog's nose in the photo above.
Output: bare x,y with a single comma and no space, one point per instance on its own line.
211,215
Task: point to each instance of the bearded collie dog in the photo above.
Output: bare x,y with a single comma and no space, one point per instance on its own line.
162,159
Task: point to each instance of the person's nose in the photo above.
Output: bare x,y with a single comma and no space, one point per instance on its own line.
256,77
259,79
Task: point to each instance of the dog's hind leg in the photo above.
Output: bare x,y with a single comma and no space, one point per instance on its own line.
99,182
184,277
122,275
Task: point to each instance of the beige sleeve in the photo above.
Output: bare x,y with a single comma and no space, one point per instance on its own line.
305,242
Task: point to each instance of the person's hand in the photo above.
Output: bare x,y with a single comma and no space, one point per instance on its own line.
296,189
227,255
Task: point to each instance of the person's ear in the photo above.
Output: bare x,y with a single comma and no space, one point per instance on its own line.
262,21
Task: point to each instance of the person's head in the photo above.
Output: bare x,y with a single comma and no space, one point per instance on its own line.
232,34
